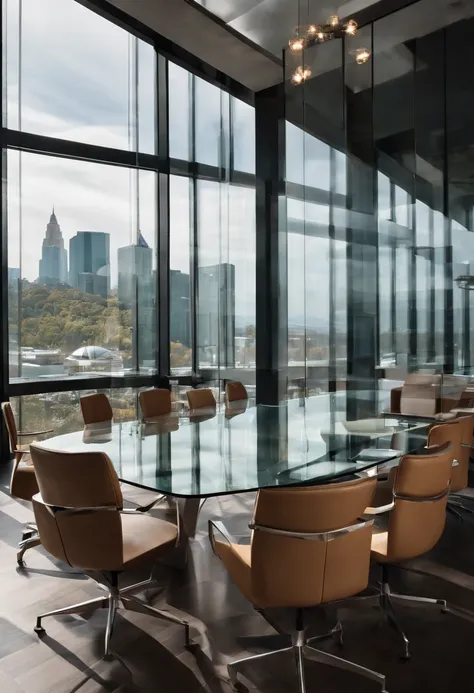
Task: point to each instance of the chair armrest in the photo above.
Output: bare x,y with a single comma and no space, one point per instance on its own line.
223,531
380,510
28,434
313,536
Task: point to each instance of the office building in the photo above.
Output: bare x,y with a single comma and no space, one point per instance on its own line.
137,290
180,328
135,272
53,263
13,276
89,262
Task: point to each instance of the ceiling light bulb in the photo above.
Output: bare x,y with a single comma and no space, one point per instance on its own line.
333,20
301,74
296,45
313,29
362,55
351,27
321,36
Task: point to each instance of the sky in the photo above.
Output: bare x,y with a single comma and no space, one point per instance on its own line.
75,81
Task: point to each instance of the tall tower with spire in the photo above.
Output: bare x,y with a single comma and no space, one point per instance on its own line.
53,263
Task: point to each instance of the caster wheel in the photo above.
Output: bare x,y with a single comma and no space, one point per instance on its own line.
40,631
406,657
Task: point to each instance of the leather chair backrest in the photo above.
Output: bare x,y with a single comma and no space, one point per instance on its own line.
421,489
459,431
10,425
197,399
155,402
96,408
77,509
460,473
452,389
235,391
298,572
421,394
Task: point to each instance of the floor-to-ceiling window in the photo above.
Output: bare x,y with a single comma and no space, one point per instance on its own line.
115,250
212,234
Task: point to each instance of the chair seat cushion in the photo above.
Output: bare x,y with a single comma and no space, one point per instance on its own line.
379,547
236,558
145,538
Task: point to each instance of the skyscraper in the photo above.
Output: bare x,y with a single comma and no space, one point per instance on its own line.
89,262
180,323
216,314
137,290
135,263
53,263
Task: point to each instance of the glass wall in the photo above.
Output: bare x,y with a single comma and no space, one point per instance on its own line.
379,204
424,190
212,219
82,239
122,262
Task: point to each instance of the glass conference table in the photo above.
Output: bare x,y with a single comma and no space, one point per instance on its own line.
242,448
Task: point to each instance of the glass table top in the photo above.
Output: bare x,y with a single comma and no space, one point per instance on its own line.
243,448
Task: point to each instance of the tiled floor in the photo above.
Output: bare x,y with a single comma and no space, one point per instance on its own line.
150,654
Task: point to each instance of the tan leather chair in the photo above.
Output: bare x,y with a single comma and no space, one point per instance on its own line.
460,474
200,399
309,548
416,522
424,394
155,402
23,482
459,433
235,392
96,408
81,521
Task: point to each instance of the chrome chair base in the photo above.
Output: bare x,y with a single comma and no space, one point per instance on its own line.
29,540
385,599
116,598
302,649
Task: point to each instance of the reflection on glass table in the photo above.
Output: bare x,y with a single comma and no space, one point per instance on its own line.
258,447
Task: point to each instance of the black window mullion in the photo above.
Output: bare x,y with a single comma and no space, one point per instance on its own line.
163,245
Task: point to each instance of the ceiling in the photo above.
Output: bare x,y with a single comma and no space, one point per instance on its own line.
242,38
269,23
189,27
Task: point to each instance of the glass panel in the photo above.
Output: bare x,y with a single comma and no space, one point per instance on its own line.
84,259
243,133
226,275
179,112
316,163
180,268
208,122
213,334
75,75
61,411
241,256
